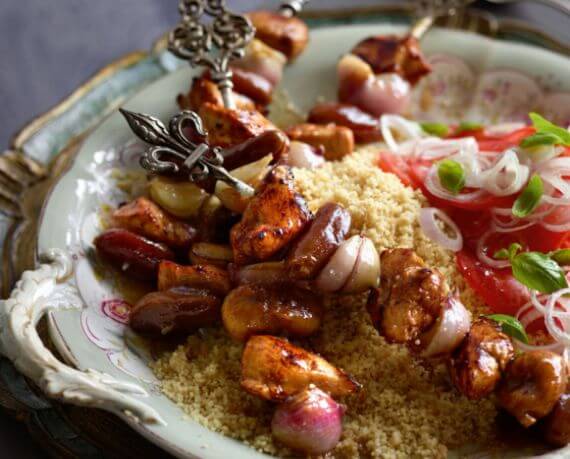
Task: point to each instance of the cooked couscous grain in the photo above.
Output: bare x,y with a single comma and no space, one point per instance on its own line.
406,409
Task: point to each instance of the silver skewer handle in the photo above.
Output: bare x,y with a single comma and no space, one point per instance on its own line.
292,7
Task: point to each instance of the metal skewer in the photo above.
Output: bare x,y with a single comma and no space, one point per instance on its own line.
292,7
429,10
211,45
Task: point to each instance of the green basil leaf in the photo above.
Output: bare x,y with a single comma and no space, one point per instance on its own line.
562,256
502,254
468,126
451,175
514,248
530,197
542,125
541,138
538,272
510,326
437,129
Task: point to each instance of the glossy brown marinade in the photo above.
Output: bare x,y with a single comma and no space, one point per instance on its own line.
410,298
207,277
275,143
533,383
477,365
252,85
364,126
203,90
312,251
266,273
394,54
556,426
275,369
176,311
338,141
144,217
132,254
272,219
207,253
288,35
227,127
256,309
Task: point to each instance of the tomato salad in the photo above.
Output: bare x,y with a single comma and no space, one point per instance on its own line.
500,199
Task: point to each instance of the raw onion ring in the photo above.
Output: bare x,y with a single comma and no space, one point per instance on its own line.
433,231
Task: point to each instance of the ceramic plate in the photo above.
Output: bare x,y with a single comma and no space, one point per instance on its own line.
475,78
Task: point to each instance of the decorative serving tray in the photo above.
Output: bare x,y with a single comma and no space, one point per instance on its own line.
45,148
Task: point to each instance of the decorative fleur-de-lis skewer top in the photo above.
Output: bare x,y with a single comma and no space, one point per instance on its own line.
292,7
211,45
173,153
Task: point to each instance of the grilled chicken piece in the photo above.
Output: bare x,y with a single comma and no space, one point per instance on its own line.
556,427
364,126
274,369
314,249
410,298
255,309
532,385
176,311
262,60
144,217
207,277
272,219
337,141
204,91
288,35
477,365
228,127
393,54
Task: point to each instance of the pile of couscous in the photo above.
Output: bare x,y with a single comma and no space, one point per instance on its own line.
405,409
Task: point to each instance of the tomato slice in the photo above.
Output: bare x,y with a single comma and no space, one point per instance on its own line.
398,166
493,143
496,287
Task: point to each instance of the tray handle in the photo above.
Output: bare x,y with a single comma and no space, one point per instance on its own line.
36,293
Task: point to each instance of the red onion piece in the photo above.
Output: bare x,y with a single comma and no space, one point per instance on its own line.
336,273
449,330
302,155
366,273
434,232
309,422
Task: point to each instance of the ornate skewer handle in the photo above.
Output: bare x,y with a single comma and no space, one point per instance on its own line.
211,45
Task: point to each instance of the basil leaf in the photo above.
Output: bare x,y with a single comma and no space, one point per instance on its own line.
510,326
538,272
468,126
502,254
541,138
514,248
437,129
530,197
542,125
562,256
451,175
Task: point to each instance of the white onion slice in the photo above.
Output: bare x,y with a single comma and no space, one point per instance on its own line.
493,263
502,129
406,129
433,231
433,185
451,327
302,155
506,177
559,334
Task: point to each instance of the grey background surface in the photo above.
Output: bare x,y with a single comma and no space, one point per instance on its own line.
49,47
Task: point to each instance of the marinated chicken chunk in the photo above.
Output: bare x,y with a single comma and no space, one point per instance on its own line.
144,217
204,91
556,426
275,369
410,298
337,141
532,385
207,277
256,309
272,219
393,54
227,127
288,35
477,365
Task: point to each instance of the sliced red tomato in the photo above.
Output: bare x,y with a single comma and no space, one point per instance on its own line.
398,166
496,287
501,143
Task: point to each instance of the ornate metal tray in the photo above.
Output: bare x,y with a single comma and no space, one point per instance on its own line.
44,150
